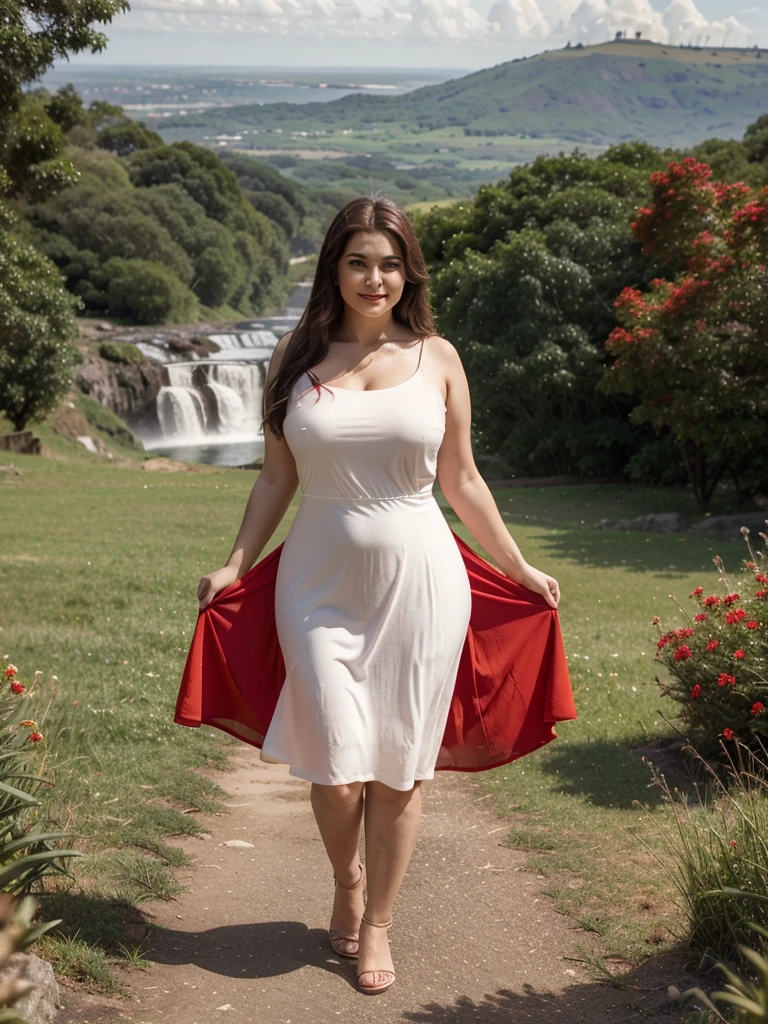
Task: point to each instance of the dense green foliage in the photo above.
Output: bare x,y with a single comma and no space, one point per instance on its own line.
302,212
36,328
525,281
692,350
36,314
156,231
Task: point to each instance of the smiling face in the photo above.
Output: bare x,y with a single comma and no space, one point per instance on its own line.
371,273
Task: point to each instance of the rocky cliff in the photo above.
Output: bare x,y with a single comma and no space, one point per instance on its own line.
130,391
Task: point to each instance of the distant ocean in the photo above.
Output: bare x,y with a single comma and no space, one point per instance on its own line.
176,89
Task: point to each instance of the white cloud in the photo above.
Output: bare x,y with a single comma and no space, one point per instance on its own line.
685,23
439,21
518,18
594,21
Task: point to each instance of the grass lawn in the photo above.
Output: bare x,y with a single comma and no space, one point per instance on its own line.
572,805
99,565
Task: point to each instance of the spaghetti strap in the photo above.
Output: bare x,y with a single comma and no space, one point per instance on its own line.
421,349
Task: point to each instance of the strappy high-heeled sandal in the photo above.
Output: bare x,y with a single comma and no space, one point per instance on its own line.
342,942
386,978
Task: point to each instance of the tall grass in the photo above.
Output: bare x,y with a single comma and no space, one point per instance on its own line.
719,862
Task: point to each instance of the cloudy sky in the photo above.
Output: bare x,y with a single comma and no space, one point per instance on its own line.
409,33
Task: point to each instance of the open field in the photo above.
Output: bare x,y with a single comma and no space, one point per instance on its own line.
99,564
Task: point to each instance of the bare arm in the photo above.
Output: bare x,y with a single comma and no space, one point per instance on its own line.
267,503
466,491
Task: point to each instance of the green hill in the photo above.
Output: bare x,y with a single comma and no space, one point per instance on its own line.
668,96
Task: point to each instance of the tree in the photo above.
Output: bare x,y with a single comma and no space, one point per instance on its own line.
693,349
128,136
147,293
756,140
523,279
36,328
36,313
34,35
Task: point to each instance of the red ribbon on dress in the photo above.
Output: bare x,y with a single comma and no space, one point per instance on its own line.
512,683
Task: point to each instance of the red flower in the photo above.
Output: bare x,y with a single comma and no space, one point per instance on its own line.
701,617
727,733
711,601
713,645
17,687
682,652
733,841
725,679
761,577
731,598
11,671
697,591
35,737
756,708
753,624
663,640
655,620
695,692
741,653
683,632
735,616
761,593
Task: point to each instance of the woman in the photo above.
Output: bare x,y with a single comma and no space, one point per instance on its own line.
365,406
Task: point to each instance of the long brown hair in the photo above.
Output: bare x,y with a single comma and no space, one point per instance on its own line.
310,339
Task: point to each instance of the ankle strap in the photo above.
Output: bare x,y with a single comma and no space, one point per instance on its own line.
354,884
384,924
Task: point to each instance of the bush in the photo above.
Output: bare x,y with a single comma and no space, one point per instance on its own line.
37,326
26,851
147,293
121,352
718,663
720,854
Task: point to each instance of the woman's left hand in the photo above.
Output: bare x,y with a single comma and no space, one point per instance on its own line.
540,583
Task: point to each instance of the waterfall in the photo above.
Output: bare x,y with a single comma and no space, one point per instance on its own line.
245,339
180,376
229,409
211,402
244,379
181,413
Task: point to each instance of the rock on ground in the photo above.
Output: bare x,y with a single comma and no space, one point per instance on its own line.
40,1006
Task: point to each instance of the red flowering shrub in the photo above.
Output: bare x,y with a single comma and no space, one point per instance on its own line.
718,665
693,350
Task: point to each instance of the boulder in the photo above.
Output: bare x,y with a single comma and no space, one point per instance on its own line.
130,391
40,1004
729,527
94,444
23,442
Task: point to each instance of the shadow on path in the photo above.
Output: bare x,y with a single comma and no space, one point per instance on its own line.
644,999
262,949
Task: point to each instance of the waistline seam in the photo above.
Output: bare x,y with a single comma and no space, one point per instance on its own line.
387,497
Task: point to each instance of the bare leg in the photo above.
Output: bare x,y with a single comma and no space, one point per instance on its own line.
392,819
339,812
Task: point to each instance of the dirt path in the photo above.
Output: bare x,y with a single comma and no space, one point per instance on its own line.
474,939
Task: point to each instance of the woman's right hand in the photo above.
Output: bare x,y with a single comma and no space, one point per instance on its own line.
213,582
